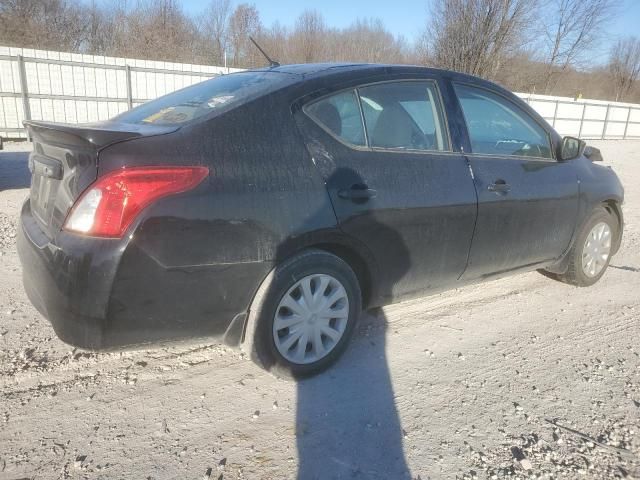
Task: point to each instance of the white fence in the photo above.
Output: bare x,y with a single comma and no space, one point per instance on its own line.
588,118
75,88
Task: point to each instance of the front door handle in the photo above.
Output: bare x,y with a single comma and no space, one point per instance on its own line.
499,186
357,192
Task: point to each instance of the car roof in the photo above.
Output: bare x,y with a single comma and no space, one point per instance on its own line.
318,70
315,68
322,72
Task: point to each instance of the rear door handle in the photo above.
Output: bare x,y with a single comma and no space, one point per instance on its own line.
499,186
357,192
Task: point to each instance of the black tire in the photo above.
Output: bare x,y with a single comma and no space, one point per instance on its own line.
259,341
575,274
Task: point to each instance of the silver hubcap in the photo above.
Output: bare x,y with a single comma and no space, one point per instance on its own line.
311,319
596,249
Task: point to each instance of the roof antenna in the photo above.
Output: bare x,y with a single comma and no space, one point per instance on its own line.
272,63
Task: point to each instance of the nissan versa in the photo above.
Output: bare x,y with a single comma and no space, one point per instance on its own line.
268,207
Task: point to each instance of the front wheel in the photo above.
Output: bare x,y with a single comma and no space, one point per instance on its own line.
590,255
303,316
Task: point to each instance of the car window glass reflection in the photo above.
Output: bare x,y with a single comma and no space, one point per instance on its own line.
498,128
403,115
340,114
218,94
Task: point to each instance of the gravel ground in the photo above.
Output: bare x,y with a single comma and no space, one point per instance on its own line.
516,378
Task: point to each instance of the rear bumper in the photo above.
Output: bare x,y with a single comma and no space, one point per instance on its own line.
105,293
68,282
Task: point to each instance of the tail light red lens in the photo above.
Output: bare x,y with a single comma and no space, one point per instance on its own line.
108,206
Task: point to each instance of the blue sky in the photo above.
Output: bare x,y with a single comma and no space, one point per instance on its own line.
404,17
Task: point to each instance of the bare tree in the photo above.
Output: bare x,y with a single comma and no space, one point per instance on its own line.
624,65
309,37
104,26
275,41
367,40
42,24
215,28
244,22
475,36
573,28
422,49
157,30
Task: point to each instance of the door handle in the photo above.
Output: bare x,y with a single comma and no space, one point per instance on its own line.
357,192
499,186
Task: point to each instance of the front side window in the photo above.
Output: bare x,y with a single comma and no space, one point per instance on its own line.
497,127
340,115
404,115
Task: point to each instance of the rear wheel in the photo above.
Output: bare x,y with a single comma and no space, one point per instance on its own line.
590,255
303,316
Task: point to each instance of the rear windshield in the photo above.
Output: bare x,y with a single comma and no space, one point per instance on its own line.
218,94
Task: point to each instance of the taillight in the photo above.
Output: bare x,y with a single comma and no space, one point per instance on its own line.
110,204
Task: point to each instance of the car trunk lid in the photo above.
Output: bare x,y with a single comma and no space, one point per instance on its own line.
64,162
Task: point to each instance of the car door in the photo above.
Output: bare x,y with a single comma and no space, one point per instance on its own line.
394,182
527,200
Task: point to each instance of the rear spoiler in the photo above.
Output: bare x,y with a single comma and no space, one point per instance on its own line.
92,135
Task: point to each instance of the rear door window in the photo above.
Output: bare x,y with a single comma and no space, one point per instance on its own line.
340,114
498,127
404,116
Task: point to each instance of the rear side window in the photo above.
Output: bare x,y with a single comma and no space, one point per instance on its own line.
498,127
218,94
340,114
404,115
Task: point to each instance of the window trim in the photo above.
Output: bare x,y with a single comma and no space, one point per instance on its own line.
367,147
510,102
364,124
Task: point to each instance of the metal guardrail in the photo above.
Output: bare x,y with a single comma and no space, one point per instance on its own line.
128,69
607,120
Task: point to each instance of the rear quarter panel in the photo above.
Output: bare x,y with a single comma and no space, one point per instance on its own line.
262,188
195,260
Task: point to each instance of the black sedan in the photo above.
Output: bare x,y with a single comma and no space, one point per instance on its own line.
268,207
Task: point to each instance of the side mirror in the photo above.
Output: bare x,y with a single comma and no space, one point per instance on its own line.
593,153
571,148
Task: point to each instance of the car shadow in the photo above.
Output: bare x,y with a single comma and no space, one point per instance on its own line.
14,170
347,422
